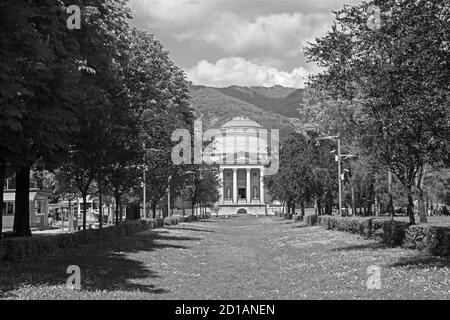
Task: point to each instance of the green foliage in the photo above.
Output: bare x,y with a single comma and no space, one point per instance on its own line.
392,84
306,170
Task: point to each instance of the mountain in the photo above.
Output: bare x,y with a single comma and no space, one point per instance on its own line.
283,101
273,108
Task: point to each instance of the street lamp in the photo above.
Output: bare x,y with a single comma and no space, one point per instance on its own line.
338,159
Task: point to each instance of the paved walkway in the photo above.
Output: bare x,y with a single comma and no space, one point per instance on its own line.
237,258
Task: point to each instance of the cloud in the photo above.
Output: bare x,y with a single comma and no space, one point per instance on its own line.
171,13
271,36
239,71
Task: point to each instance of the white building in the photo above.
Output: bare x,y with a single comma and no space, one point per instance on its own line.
242,153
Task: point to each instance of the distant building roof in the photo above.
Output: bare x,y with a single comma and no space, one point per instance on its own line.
35,194
241,122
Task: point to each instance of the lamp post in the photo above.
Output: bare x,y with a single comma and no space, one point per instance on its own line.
338,158
168,195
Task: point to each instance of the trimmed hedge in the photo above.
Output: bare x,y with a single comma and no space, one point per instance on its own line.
387,231
311,220
30,248
432,239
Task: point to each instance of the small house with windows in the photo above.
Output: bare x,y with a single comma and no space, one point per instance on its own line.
38,202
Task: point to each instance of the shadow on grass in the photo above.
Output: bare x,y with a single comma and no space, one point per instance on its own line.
302,226
104,265
191,229
369,246
422,261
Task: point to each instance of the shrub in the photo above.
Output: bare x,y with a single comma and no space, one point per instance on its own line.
172,220
386,231
297,217
432,239
311,220
26,249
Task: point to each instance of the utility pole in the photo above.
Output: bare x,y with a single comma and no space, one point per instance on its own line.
339,174
144,190
168,197
144,195
338,158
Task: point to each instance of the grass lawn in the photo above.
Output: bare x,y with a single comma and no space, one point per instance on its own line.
237,258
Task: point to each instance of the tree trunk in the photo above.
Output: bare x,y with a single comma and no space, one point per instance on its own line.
377,206
302,208
421,199
70,216
84,195
100,203
422,209
391,198
316,206
154,209
410,208
353,200
319,207
117,209
22,214
329,204
2,185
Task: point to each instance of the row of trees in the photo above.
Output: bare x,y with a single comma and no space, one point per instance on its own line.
94,106
385,91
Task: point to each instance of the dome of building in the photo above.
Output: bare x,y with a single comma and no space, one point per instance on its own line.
241,139
241,122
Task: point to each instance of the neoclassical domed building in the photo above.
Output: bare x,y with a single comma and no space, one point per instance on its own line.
242,150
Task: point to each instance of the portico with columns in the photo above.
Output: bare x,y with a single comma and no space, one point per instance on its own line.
242,173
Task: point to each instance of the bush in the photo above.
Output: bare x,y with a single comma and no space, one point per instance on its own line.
27,249
297,217
312,220
386,231
172,220
432,239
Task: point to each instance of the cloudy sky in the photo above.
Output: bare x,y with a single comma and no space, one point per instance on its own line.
238,42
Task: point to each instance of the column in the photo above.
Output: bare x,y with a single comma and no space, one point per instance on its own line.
222,186
248,191
261,185
235,191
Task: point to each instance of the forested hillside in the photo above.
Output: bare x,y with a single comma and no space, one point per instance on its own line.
271,107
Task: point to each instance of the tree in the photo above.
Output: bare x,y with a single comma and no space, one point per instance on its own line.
37,103
395,82
307,172
203,186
